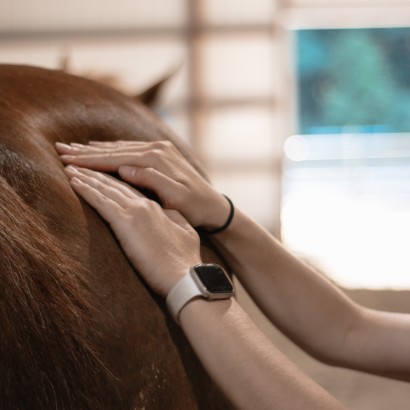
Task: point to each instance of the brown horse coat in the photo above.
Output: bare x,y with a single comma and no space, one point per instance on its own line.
79,329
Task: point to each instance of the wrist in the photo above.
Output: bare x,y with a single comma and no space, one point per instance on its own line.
219,216
207,281
199,310
175,274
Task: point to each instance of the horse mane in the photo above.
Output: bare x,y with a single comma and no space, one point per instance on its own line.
44,298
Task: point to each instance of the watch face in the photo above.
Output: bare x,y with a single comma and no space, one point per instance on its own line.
214,278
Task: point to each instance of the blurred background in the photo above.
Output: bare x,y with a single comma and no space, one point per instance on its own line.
299,110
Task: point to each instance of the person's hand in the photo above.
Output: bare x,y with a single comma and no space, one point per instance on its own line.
159,243
159,167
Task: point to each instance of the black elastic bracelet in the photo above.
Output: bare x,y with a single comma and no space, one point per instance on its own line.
227,223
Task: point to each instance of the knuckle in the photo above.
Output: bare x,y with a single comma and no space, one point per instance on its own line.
162,146
141,207
110,154
167,202
101,200
173,201
133,213
148,173
167,144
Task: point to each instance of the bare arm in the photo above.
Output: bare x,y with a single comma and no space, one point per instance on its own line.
239,356
306,306
247,367
310,309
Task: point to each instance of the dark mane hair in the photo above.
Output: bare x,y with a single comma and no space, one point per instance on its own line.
44,298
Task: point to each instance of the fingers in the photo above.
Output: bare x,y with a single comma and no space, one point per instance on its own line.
100,147
109,195
110,156
141,227
150,178
105,206
105,162
115,143
157,166
105,183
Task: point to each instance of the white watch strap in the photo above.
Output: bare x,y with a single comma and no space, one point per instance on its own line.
184,291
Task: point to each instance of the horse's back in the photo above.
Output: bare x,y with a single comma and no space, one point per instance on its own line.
110,340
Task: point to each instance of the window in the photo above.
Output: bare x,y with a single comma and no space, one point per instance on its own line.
346,202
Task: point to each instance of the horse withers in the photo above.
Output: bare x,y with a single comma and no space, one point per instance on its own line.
79,328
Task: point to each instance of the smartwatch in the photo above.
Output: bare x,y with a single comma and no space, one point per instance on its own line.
208,281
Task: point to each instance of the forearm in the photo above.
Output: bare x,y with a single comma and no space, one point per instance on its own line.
303,304
244,363
311,310
379,344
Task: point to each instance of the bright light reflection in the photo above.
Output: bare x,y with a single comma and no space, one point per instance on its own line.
358,242
296,148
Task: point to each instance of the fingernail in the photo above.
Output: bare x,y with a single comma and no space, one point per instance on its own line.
127,171
62,146
76,145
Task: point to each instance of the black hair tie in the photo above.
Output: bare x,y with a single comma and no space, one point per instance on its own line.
226,224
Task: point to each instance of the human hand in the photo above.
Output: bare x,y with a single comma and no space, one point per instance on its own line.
159,167
159,243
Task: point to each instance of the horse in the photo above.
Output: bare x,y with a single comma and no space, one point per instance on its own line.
79,327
